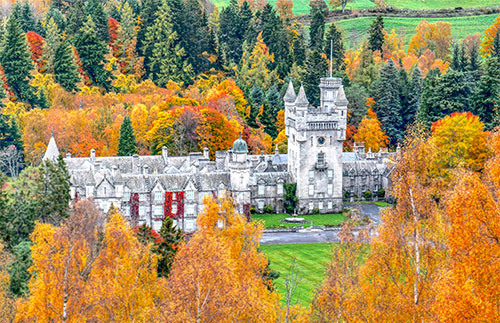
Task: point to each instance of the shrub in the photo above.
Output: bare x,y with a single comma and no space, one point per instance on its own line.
381,193
367,194
268,209
253,209
315,210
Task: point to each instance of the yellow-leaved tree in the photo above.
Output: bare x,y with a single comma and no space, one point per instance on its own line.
89,270
7,307
218,275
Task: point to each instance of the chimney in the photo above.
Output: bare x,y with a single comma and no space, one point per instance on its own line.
135,163
114,170
164,153
206,153
276,151
145,169
68,155
92,155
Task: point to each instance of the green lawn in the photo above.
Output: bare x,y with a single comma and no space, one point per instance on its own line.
440,4
357,29
312,260
301,7
377,203
274,220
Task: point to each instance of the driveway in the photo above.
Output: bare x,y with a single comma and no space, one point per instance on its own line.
319,236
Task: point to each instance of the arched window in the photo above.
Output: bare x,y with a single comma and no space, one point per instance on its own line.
321,158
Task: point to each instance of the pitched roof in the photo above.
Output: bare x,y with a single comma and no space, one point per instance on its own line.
301,97
52,151
290,93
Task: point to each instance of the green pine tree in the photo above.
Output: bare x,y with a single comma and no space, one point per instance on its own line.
148,16
127,146
55,14
335,39
316,67
496,47
96,10
257,99
376,38
317,26
414,96
65,68
429,96
386,92
92,51
486,98
298,51
76,18
230,33
270,111
15,59
167,57
455,62
19,273
27,20
275,36
171,237
52,41
356,96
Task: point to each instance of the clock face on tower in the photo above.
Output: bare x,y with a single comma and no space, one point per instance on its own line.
321,140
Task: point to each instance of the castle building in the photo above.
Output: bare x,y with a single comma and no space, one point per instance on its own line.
148,188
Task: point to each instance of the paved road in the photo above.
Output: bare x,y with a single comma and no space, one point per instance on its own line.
318,236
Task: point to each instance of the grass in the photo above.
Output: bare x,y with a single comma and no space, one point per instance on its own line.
440,4
312,260
357,29
301,7
274,220
377,203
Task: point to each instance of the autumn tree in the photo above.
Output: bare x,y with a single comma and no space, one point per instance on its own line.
219,270
433,36
127,146
370,132
339,3
490,35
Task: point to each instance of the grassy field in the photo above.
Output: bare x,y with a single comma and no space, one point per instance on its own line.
274,220
301,7
312,260
356,29
440,4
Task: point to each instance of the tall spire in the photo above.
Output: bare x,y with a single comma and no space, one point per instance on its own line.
301,99
52,152
290,93
331,56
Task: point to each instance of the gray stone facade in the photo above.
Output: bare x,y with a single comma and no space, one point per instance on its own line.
315,161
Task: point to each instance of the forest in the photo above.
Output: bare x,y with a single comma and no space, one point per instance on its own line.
128,77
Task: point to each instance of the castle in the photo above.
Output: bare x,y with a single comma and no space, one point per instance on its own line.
152,187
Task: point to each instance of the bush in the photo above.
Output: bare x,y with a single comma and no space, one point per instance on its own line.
346,195
381,193
268,209
315,210
253,209
367,194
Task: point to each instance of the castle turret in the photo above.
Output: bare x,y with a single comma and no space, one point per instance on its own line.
239,172
301,102
52,152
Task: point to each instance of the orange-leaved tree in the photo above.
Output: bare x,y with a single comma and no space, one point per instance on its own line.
489,36
218,274
370,131
88,271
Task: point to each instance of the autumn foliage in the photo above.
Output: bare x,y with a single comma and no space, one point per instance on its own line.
370,131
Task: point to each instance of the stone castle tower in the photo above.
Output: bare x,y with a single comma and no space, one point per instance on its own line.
315,139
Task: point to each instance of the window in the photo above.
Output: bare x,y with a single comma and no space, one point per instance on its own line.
190,195
320,205
279,189
311,206
190,209
330,189
126,195
321,158
174,208
261,189
260,205
330,174
158,210
89,191
142,211
330,205
311,175
142,197
174,195
311,141
158,196
126,211
311,189
104,190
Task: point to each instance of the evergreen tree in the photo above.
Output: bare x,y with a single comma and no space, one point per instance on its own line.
65,68
356,96
335,39
486,98
96,10
15,59
171,238
455,62
270,111
473,65
127,146
167,57
316,67
317,26
257,99
414,97
376,38
27,20
404,85
76,18
429,94
495,52
54,187
247,24
52,42
276,38
298,46
126,52
55,14
148,16
19,274
386,92
92,50
230,33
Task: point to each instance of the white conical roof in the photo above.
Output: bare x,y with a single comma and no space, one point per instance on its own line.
301,97
290,93
52,152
